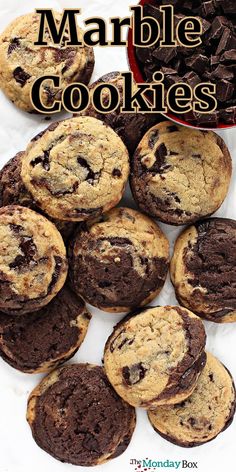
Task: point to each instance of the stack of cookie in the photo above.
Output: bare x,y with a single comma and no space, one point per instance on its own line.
63,243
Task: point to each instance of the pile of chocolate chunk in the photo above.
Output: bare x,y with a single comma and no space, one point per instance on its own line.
214,61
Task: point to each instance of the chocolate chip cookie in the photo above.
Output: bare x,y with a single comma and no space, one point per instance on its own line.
76,169
154,356
77,417
119,262
203,269
206,413
131,127
40,341
22,62
179,175
14,192
33,264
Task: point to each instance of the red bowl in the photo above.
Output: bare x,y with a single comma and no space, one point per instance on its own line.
134,67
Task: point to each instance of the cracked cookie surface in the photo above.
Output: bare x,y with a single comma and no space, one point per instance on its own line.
206,413
76,169
77,417
22,62
131,127
179,175
33,264
14,192
119,262
203,269
154,356
39,341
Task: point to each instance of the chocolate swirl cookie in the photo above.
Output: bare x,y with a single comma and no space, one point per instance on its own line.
131,127
76,169
14,192
40,341
22,62
33,264
206,413
154,356
203,269
120,261
76,416
179,175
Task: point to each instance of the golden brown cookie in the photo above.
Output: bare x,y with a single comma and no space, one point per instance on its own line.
33,264
14,192
206,413
203,269
22,62
154,356
120,261
39,341
76,169
179,174
76,416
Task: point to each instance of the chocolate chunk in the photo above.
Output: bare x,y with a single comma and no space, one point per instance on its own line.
192,79
28,249
208,8
222,72
228,115
116,173
228,6
91,175
14,44
218,27
198,63
43,160
165,54
153,138
21,76
134,374
229,56
161,152
224,90
228,41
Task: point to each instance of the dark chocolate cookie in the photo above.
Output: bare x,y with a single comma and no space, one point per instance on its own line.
131,127
120,262
33,264
154,356
203,269
22,61
14,192
77,417
40,341
178,174
76,169
206,413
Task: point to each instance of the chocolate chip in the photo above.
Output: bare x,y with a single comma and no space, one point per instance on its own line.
43,160
134,374
21,76
161,151
153,138
116,173
28,249
173,128
91,175
192,421
211,377
14,44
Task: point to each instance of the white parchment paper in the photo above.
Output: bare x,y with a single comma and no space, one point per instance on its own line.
18,451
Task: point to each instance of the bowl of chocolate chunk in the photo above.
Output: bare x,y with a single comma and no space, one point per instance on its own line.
211,62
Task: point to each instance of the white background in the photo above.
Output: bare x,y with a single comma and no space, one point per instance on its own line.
18,451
